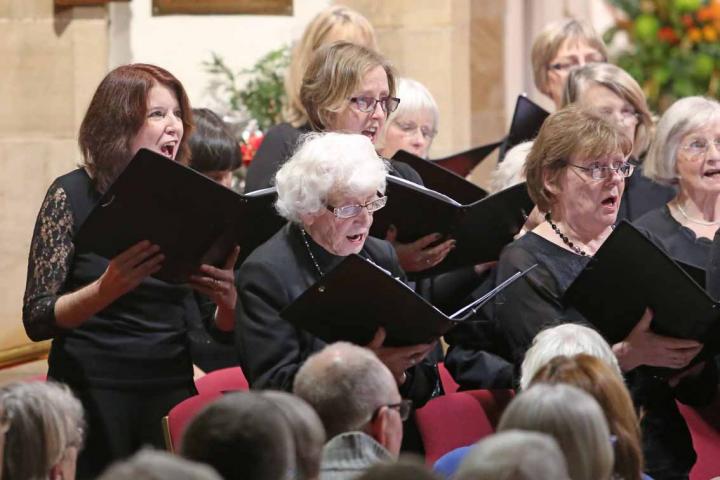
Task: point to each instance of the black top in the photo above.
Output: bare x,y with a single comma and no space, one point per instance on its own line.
272,349
642,195
678,241
139,341
279,145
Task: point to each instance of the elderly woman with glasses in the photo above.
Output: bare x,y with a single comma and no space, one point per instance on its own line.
328,192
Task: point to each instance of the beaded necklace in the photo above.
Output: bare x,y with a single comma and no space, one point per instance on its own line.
564,237
312,257
704,223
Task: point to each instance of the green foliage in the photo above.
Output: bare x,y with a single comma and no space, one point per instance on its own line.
263,93
673,47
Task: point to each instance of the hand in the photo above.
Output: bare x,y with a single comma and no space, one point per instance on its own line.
643,347
693,371
398,359
128,269
218,283
416,256
481,268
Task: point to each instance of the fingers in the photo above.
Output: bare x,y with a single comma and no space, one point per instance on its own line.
131,255
423,242
391,234
670,343
377,340
232,258
644,323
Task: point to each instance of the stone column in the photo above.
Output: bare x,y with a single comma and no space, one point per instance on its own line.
52,63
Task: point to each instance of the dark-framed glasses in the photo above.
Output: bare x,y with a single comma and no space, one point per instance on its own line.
349,211
368,104
697,147
597,171
404,407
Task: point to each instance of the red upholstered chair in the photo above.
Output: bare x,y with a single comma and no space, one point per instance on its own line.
446,380
459,419
704,425
223,380
179,417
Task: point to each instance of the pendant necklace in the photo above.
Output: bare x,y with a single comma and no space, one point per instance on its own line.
312,257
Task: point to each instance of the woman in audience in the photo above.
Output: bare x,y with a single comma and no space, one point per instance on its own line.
575,421
44,431
150,464
328,191
413,125
118,334
597,378
214,151
516,455
613,94
560,47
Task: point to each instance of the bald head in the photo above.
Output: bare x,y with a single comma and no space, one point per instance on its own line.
345,384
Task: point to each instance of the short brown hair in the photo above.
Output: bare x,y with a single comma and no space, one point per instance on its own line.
570,131
115,115
335,71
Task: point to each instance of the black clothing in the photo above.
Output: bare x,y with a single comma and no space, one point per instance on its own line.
276,273
136,344
642,195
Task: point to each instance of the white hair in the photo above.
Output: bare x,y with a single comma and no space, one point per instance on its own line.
149,464
683,117
516,455
327,164
511,170
567,339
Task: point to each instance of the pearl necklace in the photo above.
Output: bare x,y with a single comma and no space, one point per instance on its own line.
312,257
564,237
694,220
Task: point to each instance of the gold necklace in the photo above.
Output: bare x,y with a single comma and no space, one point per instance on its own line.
704,223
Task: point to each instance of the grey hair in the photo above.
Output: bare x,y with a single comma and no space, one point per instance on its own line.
327,164
511,170
576,421
683,117
567,339
307,430
45,420
344,383
514,455
149,464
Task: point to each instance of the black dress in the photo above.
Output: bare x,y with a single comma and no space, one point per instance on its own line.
129,363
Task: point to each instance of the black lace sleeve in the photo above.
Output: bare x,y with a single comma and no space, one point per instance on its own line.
51,252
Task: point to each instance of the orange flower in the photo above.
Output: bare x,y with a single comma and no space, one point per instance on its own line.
709,33
687,20
695,35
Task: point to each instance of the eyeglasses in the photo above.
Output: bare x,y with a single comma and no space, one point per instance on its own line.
599,172
349,211
404,407
368,104
627,114
409,129
698,147
569,64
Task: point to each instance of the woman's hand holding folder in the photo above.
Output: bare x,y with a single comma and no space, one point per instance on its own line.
418,255
398,359
218,284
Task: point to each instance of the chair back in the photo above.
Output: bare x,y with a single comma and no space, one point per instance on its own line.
224,380
178,418
704,426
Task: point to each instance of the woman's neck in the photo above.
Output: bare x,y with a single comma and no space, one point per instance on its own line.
702,207
586,238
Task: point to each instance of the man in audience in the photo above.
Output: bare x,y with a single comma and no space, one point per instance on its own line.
360,406
243,436
151,464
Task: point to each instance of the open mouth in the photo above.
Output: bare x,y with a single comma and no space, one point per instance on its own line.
711,173
168,149
610,201
370,133
355,238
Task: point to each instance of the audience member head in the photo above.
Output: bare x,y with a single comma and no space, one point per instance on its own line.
307,431
569,139
565,339
352,390
400,470
44,431
333,24
573,418
135,106
511,170
148,464
413,126
514,455
348,88
597,378
613,94
243,436
560,47
680,133
214,151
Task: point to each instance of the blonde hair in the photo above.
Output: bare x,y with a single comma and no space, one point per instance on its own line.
570,131
332,24
551,39
334,73
620,83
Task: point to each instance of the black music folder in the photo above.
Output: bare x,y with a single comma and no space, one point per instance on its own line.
526,122
350,302
481,229
462,163
442,180
629,273
192,218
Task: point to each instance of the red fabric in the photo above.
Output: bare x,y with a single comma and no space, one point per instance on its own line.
181,414
223,380
704,424
459,419
446,380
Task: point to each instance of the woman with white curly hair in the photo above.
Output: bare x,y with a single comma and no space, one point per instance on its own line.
328,191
